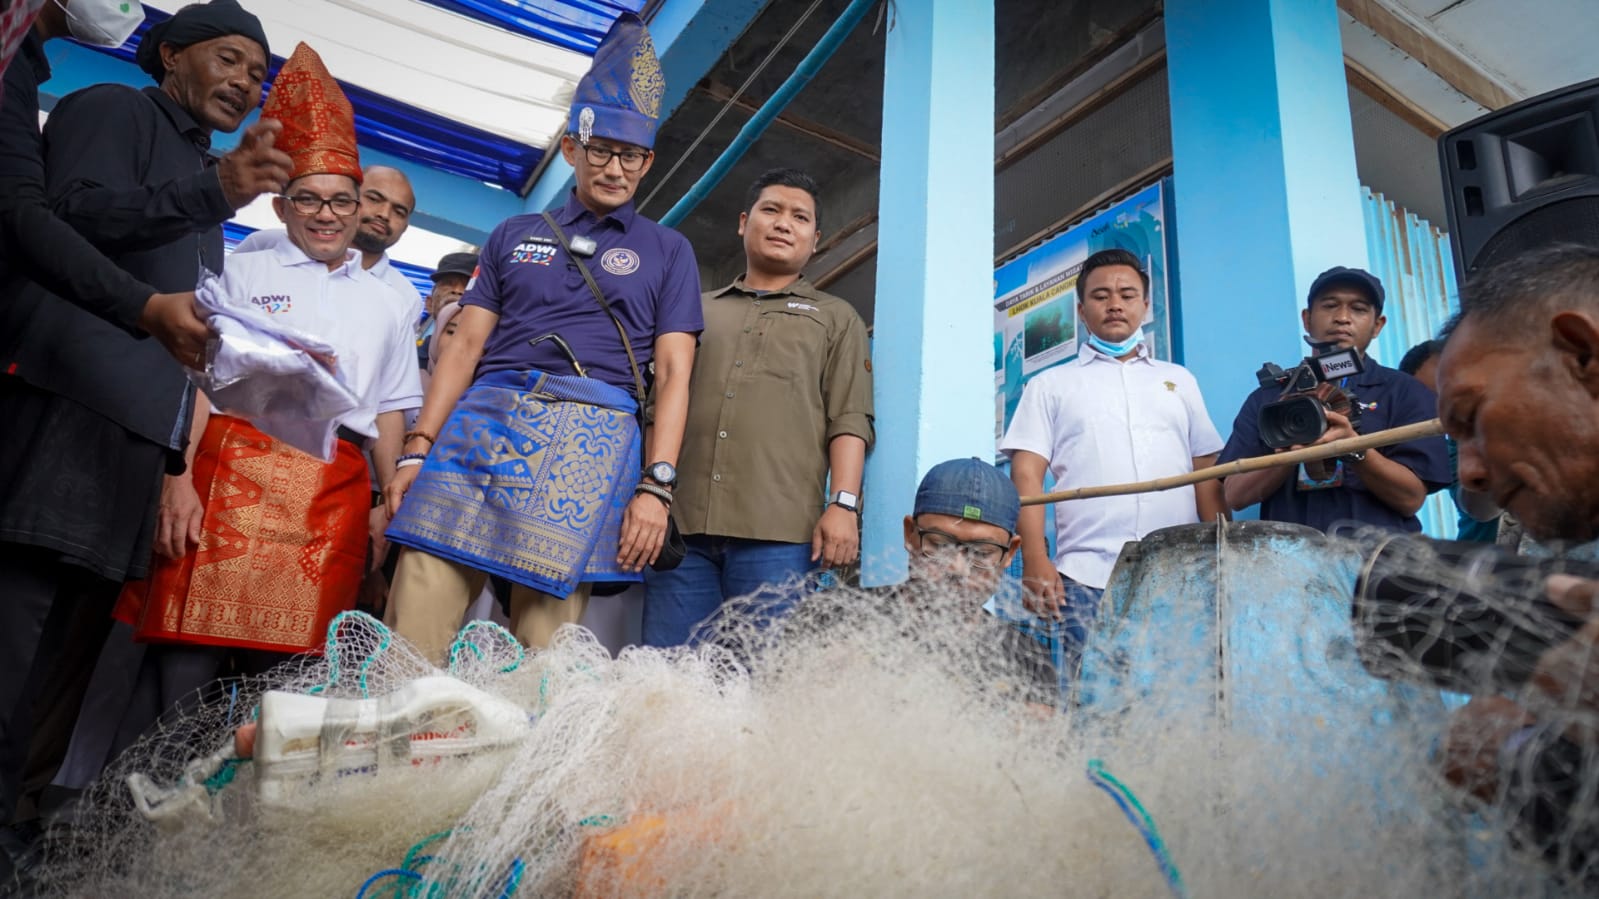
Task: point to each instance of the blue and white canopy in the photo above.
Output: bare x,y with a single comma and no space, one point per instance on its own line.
477,88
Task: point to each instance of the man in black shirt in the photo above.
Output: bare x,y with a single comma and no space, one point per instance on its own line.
95,416
37,245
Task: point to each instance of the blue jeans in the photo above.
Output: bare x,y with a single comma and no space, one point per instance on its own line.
679,604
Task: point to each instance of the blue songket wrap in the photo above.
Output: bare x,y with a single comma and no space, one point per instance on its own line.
529,480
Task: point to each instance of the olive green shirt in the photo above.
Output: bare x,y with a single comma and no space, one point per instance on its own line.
776,378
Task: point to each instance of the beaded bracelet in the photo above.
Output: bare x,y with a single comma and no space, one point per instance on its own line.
409,459
423,434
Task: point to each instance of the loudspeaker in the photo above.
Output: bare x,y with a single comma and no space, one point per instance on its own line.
1523,177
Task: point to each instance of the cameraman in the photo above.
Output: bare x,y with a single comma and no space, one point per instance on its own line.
1382,488
1519,393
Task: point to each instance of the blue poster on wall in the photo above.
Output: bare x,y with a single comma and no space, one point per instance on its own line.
1035,294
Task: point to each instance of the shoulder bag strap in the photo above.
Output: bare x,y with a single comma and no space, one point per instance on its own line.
599,297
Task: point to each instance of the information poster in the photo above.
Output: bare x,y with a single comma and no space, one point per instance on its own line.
1035,294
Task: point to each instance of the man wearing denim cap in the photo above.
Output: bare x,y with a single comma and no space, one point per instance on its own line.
1385,487
961,536
962,532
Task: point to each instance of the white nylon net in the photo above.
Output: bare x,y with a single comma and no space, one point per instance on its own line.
1230,745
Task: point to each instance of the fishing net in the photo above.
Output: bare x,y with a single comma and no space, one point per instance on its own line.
1225,739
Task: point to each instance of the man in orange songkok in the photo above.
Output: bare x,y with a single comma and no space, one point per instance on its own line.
270,542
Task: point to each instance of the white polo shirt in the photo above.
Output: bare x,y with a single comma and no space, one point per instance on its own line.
410,297
1099,421
350,309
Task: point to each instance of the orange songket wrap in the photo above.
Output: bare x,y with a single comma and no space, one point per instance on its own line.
282,548
318,120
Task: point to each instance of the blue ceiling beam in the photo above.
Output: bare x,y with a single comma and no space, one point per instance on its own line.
574,24
447,204
387,124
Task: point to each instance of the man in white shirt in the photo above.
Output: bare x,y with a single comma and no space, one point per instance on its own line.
386,204
261,544
1113,415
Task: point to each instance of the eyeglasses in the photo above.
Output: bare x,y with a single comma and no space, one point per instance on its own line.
311,204
632,160
979,553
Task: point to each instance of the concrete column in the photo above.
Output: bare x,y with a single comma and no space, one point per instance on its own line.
933,338
1266,191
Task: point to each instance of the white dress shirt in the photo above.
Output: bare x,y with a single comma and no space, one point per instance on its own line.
1099,421
410,297
348,308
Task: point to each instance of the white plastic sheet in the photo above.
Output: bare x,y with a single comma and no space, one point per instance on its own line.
284,382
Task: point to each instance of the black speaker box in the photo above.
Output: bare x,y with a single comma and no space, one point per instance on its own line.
1523,177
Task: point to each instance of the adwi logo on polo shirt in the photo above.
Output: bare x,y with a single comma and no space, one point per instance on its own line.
272,302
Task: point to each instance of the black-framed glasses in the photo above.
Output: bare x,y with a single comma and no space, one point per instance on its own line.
632,159
311,204
979,553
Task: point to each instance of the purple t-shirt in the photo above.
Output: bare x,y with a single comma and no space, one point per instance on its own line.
646,271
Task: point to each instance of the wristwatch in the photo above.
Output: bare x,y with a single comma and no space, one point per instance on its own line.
1357,456
847,501
662,473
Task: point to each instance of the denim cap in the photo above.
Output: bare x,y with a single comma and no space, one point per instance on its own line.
971,489
1359,277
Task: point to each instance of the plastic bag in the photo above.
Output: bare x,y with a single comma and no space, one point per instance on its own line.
283,381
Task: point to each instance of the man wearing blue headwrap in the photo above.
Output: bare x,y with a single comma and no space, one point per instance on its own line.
525,461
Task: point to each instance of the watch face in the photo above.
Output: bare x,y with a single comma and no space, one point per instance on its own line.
663,472
848,500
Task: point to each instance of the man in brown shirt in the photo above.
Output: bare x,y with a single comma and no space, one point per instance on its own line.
779,421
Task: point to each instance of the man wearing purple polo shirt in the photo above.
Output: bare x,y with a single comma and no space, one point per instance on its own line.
527,460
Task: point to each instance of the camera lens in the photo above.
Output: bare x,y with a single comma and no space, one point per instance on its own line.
1293,421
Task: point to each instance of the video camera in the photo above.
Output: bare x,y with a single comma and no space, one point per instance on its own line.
1299,414
1468,617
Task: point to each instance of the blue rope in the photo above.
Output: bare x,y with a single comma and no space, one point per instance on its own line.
411,859
383,644
462,641
514,880
1141,821
392,872
330,649
224,776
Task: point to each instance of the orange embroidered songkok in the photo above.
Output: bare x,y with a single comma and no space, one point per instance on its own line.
318,121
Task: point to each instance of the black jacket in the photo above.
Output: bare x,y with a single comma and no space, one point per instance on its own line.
131,171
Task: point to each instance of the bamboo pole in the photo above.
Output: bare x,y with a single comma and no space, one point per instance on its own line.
1420,429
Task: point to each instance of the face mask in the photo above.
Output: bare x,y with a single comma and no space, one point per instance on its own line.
1116,350
102,23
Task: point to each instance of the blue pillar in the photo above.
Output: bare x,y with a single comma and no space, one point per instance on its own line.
1266,191
933,344
690,36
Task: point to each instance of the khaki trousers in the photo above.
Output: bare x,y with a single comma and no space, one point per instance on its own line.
430,595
